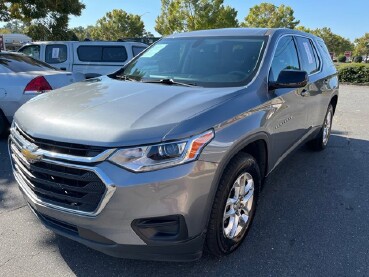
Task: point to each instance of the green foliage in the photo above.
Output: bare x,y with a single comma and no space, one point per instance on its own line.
118,24
15,26
267,15
342,58
83,33
189,15
4,31
362,45
53,28
358,59
353,73
335,43
28,10
42,19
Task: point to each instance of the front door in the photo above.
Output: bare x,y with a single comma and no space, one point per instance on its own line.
289,122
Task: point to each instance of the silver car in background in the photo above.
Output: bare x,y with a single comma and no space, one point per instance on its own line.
22,78
166,157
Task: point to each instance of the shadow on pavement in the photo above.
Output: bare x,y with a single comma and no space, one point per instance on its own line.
10,196
312,219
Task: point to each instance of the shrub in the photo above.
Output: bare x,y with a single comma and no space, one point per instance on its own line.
358,59
342,58
354,73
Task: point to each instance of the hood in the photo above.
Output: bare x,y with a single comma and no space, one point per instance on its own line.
111,113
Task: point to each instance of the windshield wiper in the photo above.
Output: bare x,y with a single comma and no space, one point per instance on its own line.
126,78
170,82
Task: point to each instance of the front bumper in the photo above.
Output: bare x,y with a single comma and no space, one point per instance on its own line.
182,190
184,251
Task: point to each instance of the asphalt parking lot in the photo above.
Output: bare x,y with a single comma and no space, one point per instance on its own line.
312,219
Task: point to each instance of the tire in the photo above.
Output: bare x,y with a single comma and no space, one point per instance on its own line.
320,142
222,237
4,125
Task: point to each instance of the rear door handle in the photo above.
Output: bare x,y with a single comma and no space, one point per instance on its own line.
63,68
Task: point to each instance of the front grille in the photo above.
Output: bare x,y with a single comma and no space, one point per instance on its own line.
63,147
68,187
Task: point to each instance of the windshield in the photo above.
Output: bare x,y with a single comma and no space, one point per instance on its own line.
207,62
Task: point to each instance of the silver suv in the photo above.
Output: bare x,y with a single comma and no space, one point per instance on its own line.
166,157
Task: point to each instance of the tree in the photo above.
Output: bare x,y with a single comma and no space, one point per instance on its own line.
267,15
40,14
335,43
118,24
362,45
38,32
28,10
147,34
83,33
54,28
189,15
15,26
4,31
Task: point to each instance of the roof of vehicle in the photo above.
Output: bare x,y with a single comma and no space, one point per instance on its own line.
239,32
92,42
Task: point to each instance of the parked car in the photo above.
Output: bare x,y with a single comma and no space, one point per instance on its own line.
168,154
22,78
92,58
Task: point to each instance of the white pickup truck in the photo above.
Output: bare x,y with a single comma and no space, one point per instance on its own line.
92,58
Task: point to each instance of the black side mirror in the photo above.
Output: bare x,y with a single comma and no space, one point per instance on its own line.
290,79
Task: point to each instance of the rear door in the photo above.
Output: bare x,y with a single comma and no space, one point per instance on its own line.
311,63
58,55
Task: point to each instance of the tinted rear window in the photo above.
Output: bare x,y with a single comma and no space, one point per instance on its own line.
102,53
20,63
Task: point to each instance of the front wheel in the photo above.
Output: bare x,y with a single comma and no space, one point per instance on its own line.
234,205
320,142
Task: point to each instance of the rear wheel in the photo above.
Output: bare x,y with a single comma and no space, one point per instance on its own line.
234,205
320,142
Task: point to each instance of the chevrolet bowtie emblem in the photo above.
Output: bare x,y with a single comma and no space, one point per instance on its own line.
30,155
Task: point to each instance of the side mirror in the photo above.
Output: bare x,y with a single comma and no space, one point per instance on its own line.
290,79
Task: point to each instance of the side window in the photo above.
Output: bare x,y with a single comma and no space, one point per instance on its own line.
324,51
102,53
285,57
137,50
114,54
309,58
89,53
56,53
31,51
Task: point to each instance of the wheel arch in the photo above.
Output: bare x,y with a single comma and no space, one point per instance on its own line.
253,143
334,101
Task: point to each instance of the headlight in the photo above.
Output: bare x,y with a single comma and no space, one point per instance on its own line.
153,157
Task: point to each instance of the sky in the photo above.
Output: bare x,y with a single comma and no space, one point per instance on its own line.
347,18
